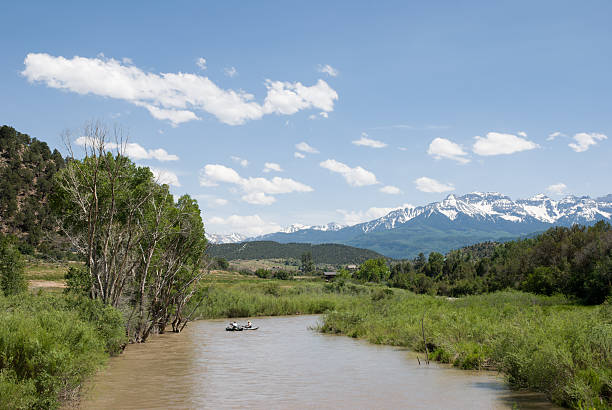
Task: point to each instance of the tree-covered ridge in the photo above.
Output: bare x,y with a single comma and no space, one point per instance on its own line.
27,167
574,261
329,253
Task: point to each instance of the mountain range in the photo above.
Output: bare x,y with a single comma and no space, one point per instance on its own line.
452,223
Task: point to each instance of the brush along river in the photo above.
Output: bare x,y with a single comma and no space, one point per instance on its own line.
284,364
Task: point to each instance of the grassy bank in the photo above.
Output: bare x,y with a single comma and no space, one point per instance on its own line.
541,343
249,298
49,343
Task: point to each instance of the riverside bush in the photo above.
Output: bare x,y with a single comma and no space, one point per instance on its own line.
541,343
49,344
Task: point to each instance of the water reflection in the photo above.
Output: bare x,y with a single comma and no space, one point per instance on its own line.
284,365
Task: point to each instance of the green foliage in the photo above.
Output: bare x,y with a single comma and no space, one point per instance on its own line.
221,263
574,261
12,279
78,280
307,264
329,253
283,275
540,343
373,270
263,273
49,344
27,168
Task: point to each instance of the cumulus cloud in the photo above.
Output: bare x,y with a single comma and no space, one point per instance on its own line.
175,97
355,217
251,225
211,200
522,134
496,143
304,147
327,69
132,150
243,162
163,176
584,140
368,142
554,135
299,155
357,176
230,71
430,185
272,166
256,190
442,148
557,189
201,62
390,189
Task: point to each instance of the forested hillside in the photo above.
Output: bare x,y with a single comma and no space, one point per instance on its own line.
27,167
574,261
329,253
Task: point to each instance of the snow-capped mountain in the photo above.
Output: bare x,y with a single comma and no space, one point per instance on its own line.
229,238
332,226
454,222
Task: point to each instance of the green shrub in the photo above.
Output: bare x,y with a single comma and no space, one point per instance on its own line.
12,279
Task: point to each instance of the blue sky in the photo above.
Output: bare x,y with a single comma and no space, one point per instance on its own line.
397,102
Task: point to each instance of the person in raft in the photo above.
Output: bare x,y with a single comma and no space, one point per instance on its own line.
249,324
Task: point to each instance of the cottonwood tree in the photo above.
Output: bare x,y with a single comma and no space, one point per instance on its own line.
143,251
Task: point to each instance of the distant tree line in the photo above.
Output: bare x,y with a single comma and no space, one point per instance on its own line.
332,254
574,261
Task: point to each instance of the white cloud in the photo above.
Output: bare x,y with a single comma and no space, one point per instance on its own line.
554,135
522,134
368,142
211,200
251,225
402,148
557,189
163,176
496,143
430,185
299,155
258,198
584,140
442,148
324,114
327,69
272,166
132,150
230,71
173,96
243,162
357,176
390,189
304,147
201,62
256,190
355,217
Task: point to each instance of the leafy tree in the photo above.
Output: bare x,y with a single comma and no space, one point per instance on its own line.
12,279
307,265
373,270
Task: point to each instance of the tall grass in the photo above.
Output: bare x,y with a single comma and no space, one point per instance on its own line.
49,344
274,298
541,343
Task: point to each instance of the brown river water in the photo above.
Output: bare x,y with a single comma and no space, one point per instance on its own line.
286,365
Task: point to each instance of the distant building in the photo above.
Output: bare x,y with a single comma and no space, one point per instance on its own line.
329,275
352,267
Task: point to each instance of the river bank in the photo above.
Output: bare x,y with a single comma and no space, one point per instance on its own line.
544,344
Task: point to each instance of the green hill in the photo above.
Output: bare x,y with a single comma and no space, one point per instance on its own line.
27,166
328,253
